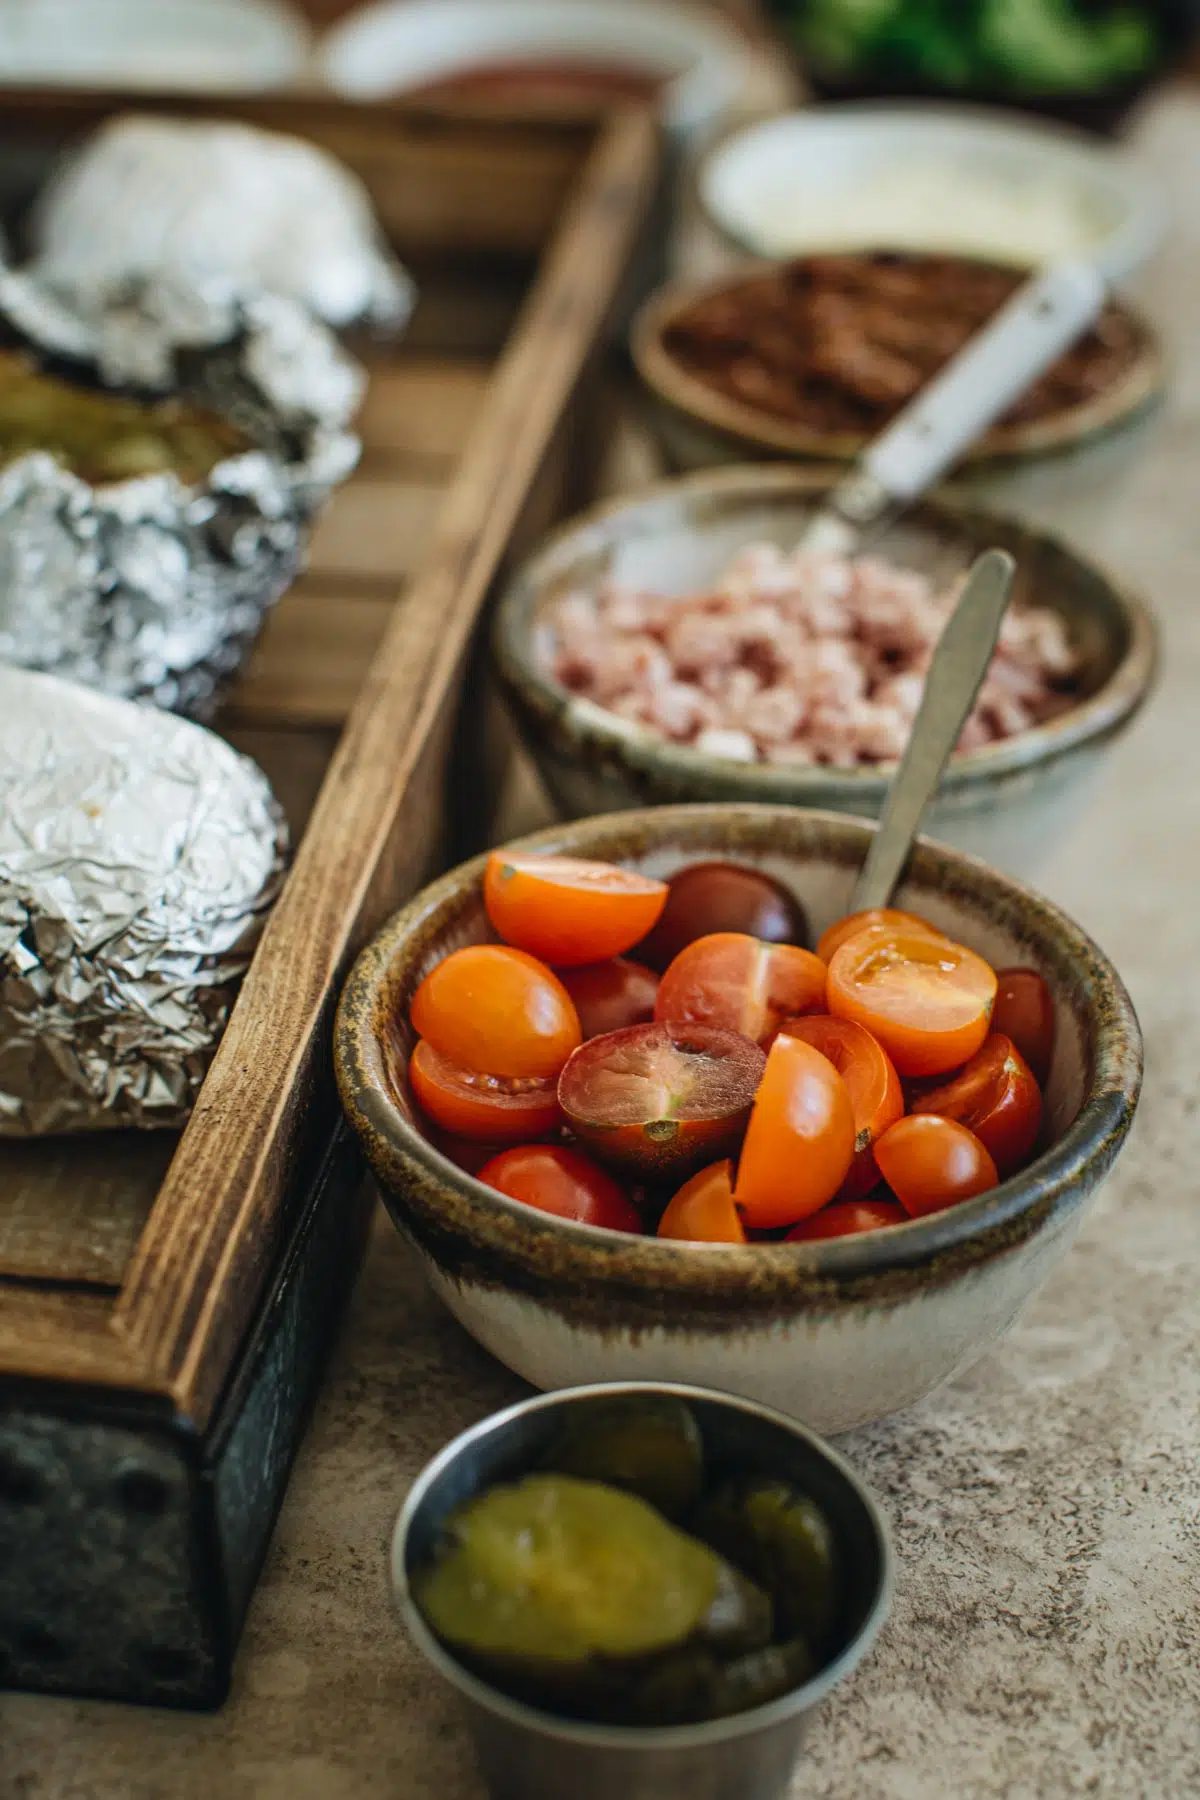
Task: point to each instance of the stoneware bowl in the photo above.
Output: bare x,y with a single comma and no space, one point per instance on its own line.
700,427
528,1754
1010,802
831,1333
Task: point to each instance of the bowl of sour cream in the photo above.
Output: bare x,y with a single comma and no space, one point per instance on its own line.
951,180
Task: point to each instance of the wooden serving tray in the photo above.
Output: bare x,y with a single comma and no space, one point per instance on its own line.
165,1303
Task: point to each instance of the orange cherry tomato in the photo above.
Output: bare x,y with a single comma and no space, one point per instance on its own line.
493,1109
719,896
996,1097
740,984
567,911
800,1140
927,1000
1024,1012
703,1212
847,1218
610,995
931,1164
839,934
499,1011
559,1180
661,1100
871,1081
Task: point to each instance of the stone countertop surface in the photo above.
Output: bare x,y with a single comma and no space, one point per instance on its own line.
1045,1640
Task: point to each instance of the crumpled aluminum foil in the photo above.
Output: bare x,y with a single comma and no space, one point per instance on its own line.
189,199
147,588
139,856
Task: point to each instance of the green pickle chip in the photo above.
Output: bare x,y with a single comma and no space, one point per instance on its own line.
648,1446
781,1540
568,1592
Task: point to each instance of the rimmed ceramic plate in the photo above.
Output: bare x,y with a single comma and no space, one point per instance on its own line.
399,46
700,425
194,46
958,180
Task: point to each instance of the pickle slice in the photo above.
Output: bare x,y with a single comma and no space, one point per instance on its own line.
565,1592
782,1541
649,1446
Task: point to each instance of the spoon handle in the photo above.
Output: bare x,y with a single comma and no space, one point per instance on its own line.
955,677
1043,318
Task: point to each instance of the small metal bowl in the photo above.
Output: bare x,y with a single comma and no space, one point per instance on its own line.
527,1754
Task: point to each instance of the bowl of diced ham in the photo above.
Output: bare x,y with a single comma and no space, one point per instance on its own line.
682,646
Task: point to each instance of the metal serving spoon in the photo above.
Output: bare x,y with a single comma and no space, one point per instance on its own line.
955,676
1044,317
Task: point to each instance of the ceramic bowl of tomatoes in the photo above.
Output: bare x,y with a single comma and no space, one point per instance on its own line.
651,1104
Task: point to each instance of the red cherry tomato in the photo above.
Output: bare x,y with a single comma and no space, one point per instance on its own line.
556,1179
740,984
610,995
1024,1012
467,1154
928,1001
872,1083
497,1010
800,1140
567,911
661,1100
703,1211
931,1164
840,933
847,1218
494,1109
720,896
996,1097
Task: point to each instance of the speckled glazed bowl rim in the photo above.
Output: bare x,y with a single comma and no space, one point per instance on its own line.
554,1252
751,430
798,1700
1095,719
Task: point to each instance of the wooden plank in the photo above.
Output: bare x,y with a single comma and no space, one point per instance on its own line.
422,408
375,529
210,1239
311,659
293,760
72,1210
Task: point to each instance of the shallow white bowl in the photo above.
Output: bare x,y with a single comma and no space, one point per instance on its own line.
400,45
754,186
195,46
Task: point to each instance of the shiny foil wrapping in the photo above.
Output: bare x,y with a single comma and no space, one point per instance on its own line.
190,199
150,588
139,856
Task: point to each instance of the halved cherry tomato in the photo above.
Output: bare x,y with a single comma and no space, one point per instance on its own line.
927,1000
1024,1012
559,1180
847,1218
495,1109
800,1140
740,984
499,1011
467,1154
703,1212
721,896
567,911
610,995
839,934
932,1163
996,1097
661,1100
873,1085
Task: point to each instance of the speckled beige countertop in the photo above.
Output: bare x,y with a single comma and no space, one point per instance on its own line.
1045,1642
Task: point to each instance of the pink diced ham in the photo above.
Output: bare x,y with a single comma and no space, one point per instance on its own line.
799,658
